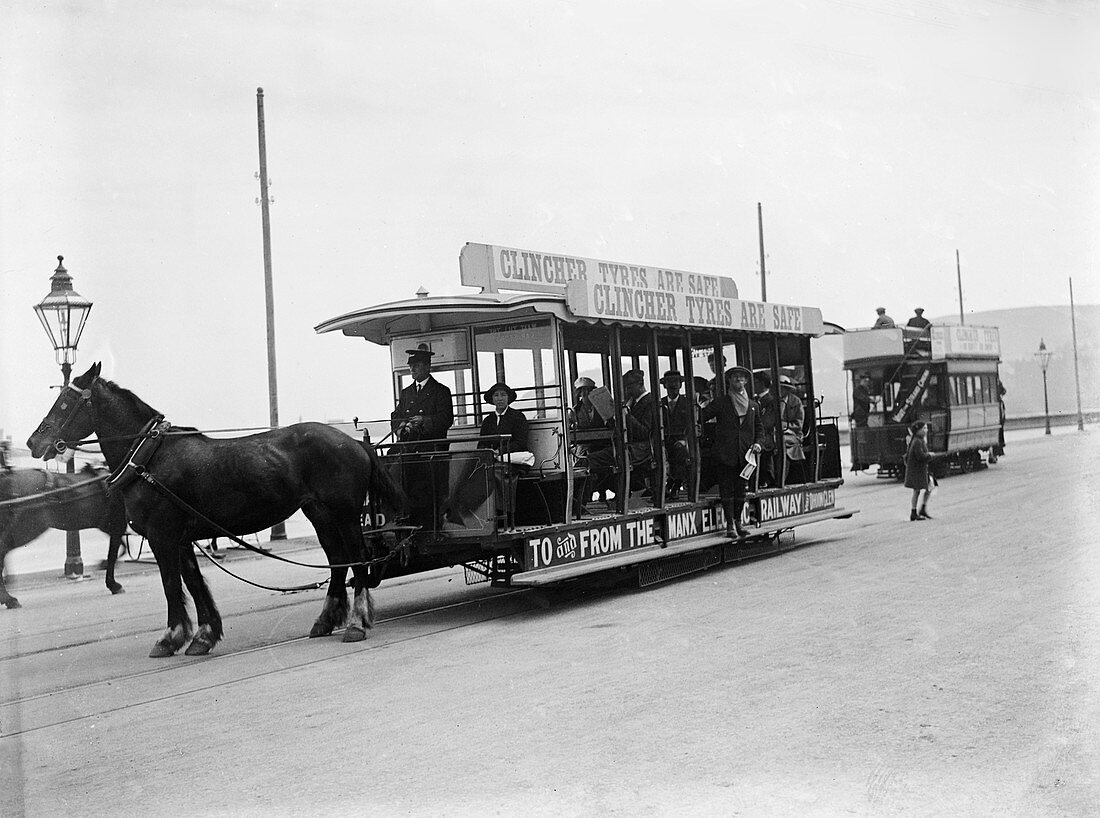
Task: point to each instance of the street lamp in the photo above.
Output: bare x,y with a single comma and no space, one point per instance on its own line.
1044,361
63,313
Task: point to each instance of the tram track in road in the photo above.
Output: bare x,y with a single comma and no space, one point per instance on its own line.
53,708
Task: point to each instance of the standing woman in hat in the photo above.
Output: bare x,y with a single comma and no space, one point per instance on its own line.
739,429
424,410
503,421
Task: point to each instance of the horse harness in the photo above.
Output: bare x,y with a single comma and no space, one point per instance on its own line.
134,468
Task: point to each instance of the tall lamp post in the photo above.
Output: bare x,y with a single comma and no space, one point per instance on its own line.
63,313
1044,361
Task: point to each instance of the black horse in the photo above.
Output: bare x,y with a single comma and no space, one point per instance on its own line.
33,501
242,484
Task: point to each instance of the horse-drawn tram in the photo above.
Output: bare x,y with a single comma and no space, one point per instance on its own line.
945,375
601,473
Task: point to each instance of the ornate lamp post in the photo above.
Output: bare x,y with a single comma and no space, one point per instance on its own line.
1044,361
63,313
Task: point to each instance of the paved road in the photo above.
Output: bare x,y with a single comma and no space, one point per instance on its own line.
944,667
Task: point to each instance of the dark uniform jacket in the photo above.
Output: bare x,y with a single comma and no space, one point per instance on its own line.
861,405
734,434
513,423
433,401
677,418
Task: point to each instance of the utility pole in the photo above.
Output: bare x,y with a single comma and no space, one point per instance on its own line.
763,272
1076,374
958,272
278,531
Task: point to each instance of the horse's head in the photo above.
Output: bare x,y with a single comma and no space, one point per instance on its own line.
71,418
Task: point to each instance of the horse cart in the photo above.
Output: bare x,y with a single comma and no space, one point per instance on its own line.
585,499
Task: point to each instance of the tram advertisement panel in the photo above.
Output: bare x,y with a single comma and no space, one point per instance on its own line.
688,308
577,545
508,268
796,502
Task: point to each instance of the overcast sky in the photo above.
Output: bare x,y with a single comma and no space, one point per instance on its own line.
880,137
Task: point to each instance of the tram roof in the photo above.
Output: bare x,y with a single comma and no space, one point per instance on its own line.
517,283
384,322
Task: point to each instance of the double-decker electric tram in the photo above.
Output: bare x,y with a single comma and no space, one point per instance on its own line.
590,493
944,374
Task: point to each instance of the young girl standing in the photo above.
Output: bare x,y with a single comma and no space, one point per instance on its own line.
917,476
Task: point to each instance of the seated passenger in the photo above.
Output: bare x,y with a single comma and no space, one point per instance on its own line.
639,417
504,421
677,415
769,416
793,417
883,320
478,477
704,435
918,320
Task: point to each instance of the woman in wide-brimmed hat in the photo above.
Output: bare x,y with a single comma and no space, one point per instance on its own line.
504,420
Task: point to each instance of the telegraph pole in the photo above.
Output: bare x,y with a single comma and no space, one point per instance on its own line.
1076,375
763,273
278,531
958,272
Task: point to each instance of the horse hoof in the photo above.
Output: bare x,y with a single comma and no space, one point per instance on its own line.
199,647
118,589
353,633
320,630
13,603
162,649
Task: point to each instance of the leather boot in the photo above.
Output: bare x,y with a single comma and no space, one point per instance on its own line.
738,506
731,524
923,514
913,516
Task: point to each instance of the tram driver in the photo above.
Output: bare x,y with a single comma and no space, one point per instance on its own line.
424,410
424,413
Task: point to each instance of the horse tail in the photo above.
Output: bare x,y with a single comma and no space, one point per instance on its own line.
382,487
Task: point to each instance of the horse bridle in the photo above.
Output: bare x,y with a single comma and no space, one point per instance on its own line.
60,445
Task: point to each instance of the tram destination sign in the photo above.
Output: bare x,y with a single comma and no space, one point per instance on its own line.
496,268
959,341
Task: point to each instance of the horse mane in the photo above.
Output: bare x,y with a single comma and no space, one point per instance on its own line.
125,393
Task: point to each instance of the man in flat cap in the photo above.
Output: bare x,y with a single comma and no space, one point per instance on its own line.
883,320
918,320
424,410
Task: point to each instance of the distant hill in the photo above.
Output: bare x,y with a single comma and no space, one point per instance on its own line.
1020,330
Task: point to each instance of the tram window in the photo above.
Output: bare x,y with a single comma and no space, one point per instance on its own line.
521,355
